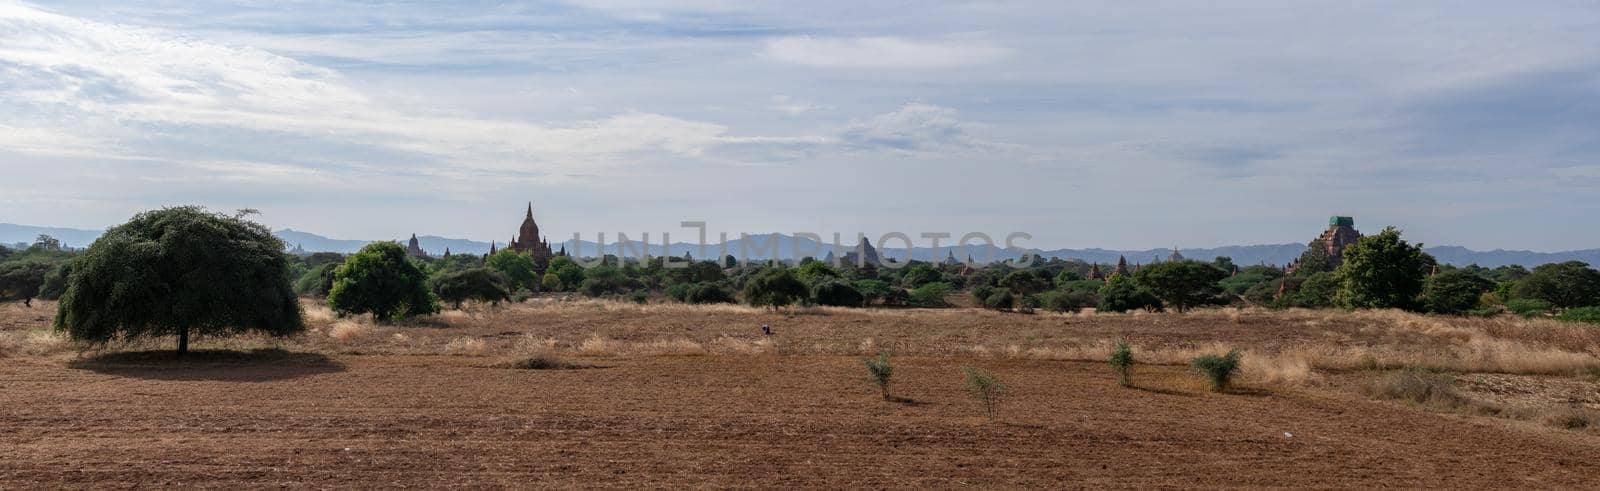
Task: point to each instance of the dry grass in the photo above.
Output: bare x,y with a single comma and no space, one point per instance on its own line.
33,342
348,330
466,346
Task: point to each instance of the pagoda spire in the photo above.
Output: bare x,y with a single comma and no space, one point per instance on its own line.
530,209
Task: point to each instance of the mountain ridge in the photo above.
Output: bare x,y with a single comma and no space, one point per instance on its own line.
759,245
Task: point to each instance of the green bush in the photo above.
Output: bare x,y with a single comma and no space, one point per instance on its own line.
1067,301
1001,299
980,296
838,293
931,295
880,370
480,284
1528,307
1122,362
639,297
1590,315
1218,370
379,280
986,388
775,287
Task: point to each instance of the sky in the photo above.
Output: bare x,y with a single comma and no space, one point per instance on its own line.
1082,124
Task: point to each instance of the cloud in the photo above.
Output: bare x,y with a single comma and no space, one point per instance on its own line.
135,83
882,52
917,128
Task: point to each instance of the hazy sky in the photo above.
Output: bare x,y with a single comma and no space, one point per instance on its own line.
1084,124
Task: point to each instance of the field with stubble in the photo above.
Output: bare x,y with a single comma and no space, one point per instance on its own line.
673,395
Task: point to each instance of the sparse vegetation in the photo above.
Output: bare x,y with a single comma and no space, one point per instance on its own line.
1122,363
986,388
1218,370
881,370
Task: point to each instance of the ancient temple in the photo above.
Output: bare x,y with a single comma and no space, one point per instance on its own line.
1122,266
414,249
1175,257
1341,233
950,260
1094,272
529,242
864,255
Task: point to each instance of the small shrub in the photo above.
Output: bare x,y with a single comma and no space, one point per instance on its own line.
640,298
1067,301
880,370
466,346
986,388
1122,362
1588,315
980,296
1572,418
1527,307
931,295
1218,370
1001,300
540,361
837,293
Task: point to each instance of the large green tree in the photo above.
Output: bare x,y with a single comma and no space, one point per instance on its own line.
517,267
1454,291
480,284
180,271
1566,285
774,287
22,280
1182,285
1121,294
379,280
1382,271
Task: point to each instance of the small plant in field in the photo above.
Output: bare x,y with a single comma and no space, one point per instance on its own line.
881,370
1122,362
986,388
1219,370
1589,315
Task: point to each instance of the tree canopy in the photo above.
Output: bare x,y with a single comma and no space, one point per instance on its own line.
1382,271
379,280
1565,285
774,287
480,284
178,271
1181,284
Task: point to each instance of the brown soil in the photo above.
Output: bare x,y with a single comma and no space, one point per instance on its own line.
304,420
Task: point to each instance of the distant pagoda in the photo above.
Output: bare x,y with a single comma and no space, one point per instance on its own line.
1341,234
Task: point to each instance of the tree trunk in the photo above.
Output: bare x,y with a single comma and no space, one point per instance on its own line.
183,341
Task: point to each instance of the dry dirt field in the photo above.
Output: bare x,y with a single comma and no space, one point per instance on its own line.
670,396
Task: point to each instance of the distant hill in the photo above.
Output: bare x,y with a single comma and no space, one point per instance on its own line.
758,247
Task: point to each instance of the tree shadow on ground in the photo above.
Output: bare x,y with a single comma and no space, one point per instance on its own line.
258,365
907,401
1158,390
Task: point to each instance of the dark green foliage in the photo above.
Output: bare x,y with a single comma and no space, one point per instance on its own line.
1068,276
318,281
178,271
569,274
516,267
1565,285
55,283
699,293
22,280
1025,282
1067,301
1382,272
1181,284
814,272
479,284
980,296
930,295
605,280
1528,307
1121,294
695,272
1316,291
1455,291
1590,315
881,371
918,275
1218,370
872,291
1122,362
379,280
897,297
1000,299
1249,278
774,287
836,293
640,298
